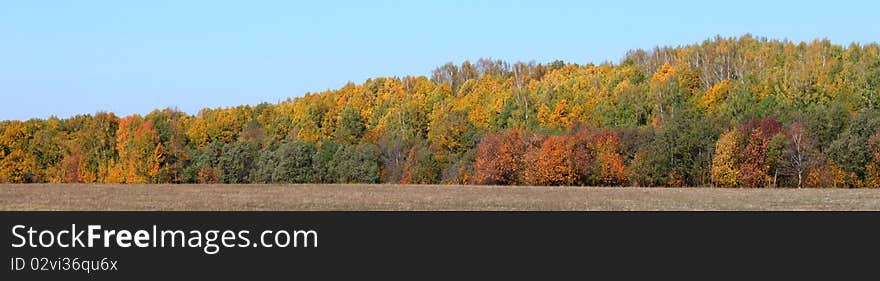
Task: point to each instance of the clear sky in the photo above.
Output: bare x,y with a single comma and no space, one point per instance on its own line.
67,57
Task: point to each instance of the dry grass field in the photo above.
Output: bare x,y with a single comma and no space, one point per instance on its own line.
408,197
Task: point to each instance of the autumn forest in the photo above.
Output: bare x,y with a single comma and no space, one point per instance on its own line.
726,112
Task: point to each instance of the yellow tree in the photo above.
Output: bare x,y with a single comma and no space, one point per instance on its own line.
724,165
715,95
446,130
136,141
544,116
559,118
17,167
660,88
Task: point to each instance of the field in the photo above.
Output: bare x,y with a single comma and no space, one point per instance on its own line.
401,197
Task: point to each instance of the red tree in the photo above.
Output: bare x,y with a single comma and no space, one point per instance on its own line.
757,134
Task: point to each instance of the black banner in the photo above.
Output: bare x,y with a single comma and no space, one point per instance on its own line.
429,244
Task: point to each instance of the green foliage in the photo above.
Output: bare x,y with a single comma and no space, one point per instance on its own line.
294,162
850,149
324,162
776,156
421,167
682,149
351,127
236,161
357,164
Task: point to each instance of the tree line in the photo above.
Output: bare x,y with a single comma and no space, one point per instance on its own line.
730,112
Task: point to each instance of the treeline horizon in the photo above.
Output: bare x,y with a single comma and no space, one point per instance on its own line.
730,112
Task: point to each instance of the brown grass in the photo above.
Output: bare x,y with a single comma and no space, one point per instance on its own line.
431,197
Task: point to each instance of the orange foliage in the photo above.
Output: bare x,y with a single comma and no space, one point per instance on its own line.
826,174
585,158
758,133
608,168
500,158
554,163
663,73
136,141
209,175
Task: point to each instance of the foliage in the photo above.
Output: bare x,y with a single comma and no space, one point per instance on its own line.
357,164
724,164
793,114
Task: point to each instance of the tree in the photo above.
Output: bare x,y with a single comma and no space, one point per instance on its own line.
137,143
725,172
776,160
394,156
294,162
757,135
681,152
236,161
501,158
351,127
850,150
801,154
209,175
288,162
608,163
324,162
70,170
171,154
203,166
716,95
95,139
16,167
357,164
872,178
553,163
420,167
265,163
825,174
448,131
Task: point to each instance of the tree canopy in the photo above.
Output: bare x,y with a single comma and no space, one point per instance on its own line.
733,112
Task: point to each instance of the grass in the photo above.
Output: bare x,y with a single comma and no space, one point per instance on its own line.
423,197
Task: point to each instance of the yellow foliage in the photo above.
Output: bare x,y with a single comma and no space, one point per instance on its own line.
16,167
544,115
716,94
559,118
872,176
826,174
724,171
115,173
197,133
663,73
575,114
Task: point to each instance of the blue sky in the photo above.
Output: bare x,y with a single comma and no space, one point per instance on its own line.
69,57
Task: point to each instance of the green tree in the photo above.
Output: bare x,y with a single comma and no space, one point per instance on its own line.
351,127
236,161
850,150
357,164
